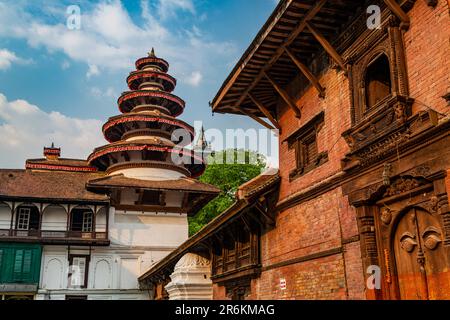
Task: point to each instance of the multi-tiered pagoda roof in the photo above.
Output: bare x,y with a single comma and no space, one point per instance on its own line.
147,144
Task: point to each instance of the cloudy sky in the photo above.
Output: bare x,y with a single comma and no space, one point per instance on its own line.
60,85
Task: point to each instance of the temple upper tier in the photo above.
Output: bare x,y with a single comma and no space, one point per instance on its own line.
147,140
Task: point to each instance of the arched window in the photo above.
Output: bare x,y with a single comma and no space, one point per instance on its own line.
27,218
378,81
82,220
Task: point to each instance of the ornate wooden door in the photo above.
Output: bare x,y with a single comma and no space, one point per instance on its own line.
422,261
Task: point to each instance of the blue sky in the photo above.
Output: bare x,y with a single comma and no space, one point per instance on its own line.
61,85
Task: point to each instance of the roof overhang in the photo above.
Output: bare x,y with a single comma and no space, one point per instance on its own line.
300,40
246,199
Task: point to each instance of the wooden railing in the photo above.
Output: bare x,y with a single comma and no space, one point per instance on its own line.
51,234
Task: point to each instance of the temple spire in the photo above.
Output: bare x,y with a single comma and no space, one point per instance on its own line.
152,53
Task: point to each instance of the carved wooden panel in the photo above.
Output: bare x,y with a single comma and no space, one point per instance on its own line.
403,225
421,259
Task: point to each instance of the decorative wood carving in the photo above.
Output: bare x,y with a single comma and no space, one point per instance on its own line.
402,185
368,145
382,127
238,289
405,226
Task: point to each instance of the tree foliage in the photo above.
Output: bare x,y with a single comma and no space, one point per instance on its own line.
226,170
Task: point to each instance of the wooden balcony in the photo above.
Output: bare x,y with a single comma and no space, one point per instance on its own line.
55,237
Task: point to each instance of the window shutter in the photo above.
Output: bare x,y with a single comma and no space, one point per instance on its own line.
78,269
311,151
27,259
18,259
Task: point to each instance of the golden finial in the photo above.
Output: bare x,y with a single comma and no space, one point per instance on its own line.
152,53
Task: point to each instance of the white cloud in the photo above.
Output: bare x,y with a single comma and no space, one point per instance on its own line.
99,93
25,129
168,8
7,58
110,40
65,65
92,71
194,79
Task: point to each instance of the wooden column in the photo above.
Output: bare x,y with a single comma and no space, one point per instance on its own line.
398,11
13,209
284,96
328,47
264,111
94,222
108,207
308,74
69,215
41,217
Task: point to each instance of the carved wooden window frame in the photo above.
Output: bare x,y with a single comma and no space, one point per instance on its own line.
300,141
222,264
372,44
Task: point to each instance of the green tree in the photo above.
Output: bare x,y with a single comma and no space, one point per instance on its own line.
227,170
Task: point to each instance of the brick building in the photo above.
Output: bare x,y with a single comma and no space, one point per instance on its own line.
364,133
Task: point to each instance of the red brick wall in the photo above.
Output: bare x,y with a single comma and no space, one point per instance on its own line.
323,223
337,119
427,46
219,292
313,227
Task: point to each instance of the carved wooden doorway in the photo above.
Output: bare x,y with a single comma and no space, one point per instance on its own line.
405,231
422,261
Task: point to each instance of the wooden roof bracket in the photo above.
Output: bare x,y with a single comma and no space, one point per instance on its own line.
251,115
265,111
306,72
284,96
328,47
302,24
398,11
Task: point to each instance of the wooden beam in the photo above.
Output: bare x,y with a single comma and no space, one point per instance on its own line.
265,214
244,63
280,51
328,47
308,74
398,11
265,111
251,115
285,96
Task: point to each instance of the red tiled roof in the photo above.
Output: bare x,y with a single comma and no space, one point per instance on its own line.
258,183
55,185
182,184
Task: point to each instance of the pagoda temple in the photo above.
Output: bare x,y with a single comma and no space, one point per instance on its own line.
146,151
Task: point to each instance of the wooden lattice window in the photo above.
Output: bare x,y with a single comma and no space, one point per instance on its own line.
304,143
